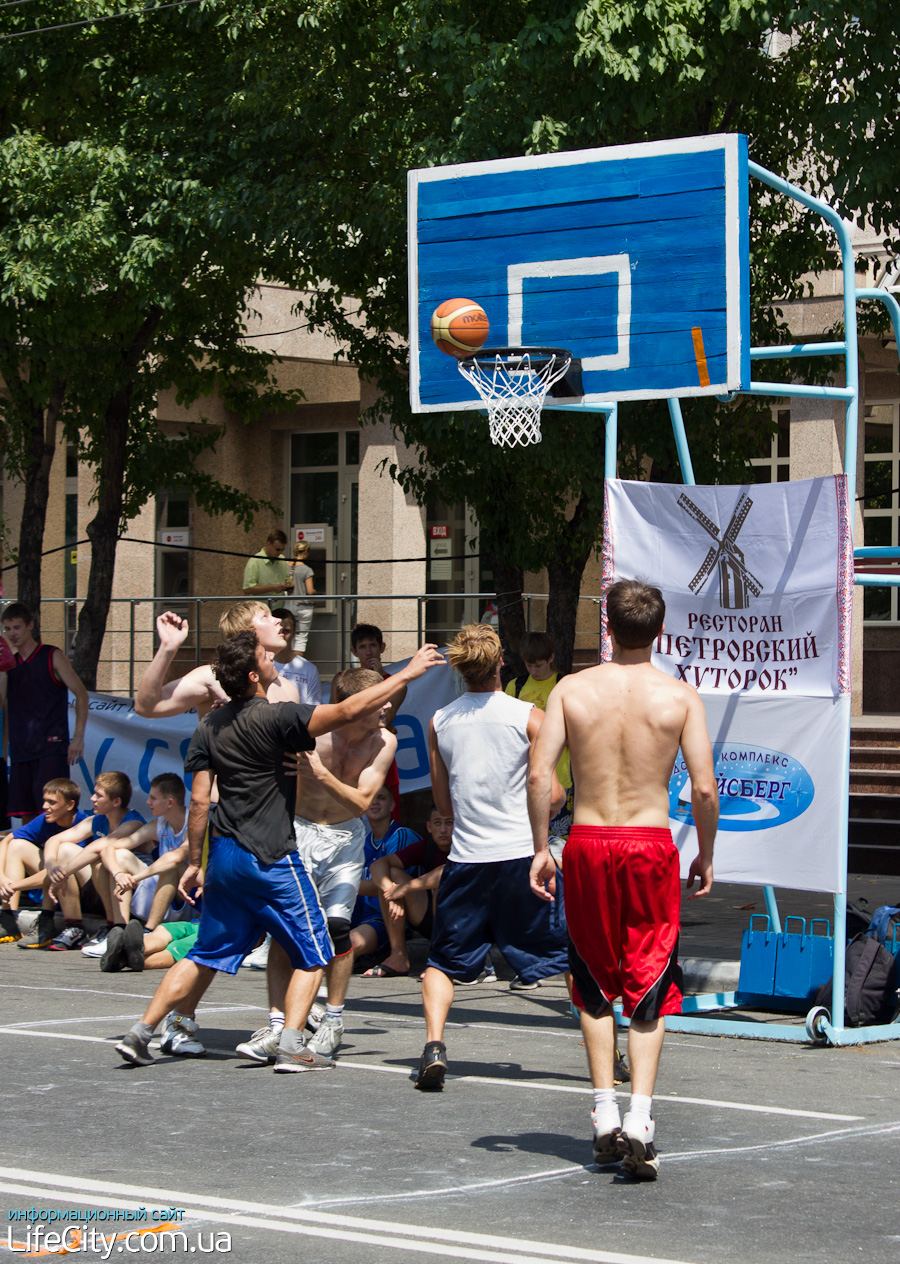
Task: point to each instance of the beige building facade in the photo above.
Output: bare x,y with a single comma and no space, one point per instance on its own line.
381,558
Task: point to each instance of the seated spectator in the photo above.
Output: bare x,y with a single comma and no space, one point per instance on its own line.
407,880
293,666
72,859
22,851
123,856
368,933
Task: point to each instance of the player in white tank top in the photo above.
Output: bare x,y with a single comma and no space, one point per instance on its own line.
483,741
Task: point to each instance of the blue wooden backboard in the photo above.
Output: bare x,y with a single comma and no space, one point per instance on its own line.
633,257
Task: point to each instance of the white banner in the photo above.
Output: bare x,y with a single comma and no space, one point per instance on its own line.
757,580
758,587
117,738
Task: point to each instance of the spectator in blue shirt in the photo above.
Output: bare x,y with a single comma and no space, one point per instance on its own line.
21,852
72,858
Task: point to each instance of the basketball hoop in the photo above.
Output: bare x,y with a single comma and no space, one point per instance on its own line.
513,382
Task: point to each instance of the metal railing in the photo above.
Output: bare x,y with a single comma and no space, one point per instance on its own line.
406,619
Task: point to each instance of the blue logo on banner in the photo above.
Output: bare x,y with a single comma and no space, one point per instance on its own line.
758,788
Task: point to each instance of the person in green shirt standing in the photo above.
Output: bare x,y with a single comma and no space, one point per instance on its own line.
267,573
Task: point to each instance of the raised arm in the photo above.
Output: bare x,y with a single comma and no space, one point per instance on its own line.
66,672
358,799
154,698
697,752
331,715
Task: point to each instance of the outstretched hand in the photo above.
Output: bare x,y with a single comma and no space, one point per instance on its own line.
172,630
424,658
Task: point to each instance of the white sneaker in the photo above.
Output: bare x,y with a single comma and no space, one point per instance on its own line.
638,1153
606,1136
328,1037
179,1037
259,957
315,1016
262,1045
96,945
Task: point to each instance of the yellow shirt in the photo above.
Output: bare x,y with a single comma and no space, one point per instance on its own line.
537,692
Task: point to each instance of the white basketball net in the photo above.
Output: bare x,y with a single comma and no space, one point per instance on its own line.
514,386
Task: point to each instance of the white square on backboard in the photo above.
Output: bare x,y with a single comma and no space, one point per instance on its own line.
592,266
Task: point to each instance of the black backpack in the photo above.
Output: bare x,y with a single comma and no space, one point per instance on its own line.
870,984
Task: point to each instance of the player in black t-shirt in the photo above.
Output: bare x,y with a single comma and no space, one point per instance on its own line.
254,880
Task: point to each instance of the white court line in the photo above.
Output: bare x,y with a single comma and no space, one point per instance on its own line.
816,1138
533,1085
455,1243
103,1018
790,1143
585,1089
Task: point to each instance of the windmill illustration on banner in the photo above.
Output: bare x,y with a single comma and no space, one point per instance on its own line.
736,582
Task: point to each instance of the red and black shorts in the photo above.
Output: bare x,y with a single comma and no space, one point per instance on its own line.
623,906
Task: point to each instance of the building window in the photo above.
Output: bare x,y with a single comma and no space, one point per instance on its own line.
174,513
323,490
772,464
880,505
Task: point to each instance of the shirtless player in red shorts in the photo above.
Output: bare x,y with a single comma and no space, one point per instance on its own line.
624,722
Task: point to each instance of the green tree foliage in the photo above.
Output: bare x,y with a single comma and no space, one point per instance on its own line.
424,83
127,253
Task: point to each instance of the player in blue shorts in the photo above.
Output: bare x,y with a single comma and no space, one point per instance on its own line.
254,879
479,747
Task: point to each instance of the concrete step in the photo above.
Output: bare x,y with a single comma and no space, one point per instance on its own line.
874,757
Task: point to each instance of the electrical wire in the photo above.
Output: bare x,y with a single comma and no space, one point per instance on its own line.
103,17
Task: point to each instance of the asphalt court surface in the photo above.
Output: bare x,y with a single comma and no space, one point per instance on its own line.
769,1151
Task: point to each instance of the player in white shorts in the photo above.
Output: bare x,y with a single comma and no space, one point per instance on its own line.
336,783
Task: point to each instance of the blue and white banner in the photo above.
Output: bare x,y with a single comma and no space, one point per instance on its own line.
758,588
118,738
779,769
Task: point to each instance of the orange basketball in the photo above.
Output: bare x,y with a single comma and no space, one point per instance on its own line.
459,327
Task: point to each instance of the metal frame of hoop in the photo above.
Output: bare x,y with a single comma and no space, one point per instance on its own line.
513,382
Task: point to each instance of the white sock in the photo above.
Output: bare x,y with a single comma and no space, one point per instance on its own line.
276,1020
334,1011
640,1107
606,1110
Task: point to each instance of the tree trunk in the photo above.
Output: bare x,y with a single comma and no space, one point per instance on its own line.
564,573
103,529
42,446
510,612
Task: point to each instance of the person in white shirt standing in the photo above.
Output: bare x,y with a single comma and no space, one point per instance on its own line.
479,747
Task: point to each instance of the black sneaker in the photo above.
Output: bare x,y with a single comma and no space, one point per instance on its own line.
9,927
42,935
114,958
432,1068
523,985
621,1074
133,945
135,1050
